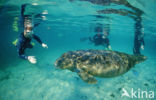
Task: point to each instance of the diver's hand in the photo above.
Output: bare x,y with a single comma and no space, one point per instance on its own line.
142,47
103,37
32,59
44,45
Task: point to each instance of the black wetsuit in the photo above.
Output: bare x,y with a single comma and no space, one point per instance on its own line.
99,40
24,43
137,44
138,39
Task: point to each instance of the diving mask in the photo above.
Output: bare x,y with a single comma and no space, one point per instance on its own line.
28,31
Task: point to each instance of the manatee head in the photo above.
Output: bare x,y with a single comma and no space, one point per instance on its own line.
64,63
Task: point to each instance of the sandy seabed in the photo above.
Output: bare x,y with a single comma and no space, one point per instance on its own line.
45,82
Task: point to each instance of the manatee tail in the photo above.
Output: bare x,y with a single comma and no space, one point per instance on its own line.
139,58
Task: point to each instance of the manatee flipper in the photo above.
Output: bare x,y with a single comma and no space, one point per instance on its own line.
87,77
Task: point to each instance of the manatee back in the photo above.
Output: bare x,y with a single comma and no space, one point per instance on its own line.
99,63
104,63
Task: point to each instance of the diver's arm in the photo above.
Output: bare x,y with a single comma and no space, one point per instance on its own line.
91,39
94,37
143,42
37,38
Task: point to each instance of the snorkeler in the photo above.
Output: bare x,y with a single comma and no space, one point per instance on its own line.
101,39
139,37
24,40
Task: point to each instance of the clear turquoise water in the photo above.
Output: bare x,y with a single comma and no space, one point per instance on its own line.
66,23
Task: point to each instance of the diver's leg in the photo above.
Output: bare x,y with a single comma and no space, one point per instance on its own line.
136,51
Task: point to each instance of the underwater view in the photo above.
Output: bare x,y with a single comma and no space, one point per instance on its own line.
78,50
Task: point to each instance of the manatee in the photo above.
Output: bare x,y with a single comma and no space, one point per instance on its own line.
98,63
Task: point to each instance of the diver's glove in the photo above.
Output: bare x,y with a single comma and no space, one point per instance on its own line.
44,45
32,59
